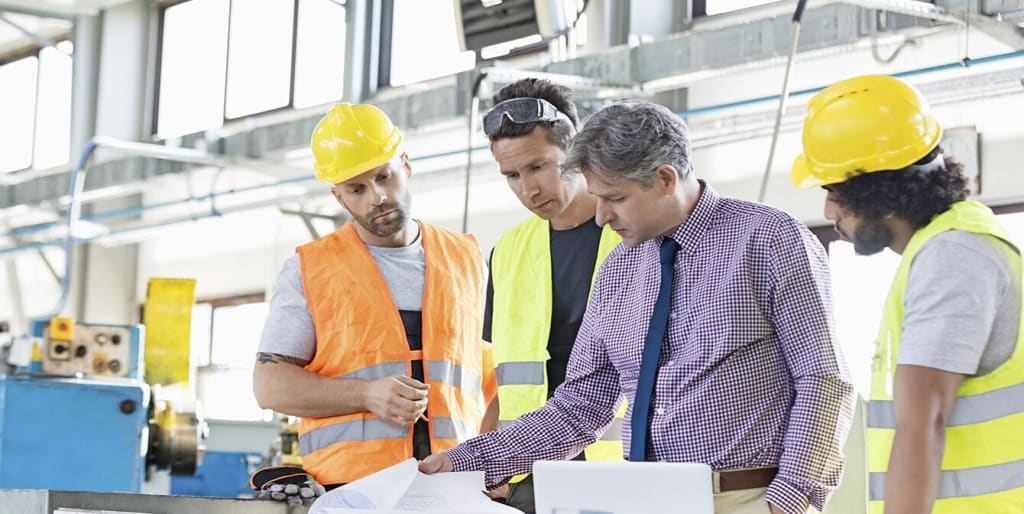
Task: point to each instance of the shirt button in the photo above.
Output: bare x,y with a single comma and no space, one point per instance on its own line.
671,363
673,315
659,411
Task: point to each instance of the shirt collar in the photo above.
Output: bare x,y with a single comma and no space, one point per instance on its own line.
690,232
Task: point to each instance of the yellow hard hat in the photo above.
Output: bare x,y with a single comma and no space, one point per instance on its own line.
862,125
351,140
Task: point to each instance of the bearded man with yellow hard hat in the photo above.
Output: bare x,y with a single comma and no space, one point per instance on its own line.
373,336
946,413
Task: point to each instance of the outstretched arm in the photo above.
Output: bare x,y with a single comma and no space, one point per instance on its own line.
581,410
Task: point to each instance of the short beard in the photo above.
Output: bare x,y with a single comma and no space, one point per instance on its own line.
871,237
383,229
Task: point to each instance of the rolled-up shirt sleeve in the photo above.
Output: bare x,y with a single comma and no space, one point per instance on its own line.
811,464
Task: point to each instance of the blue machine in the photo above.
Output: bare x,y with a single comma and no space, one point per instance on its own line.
221,475
73,434
83,423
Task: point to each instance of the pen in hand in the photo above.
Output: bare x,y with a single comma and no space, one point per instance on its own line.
417,384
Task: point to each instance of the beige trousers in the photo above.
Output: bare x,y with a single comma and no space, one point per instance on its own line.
850,498
744,501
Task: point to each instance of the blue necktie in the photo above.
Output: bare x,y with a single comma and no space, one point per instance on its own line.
640,422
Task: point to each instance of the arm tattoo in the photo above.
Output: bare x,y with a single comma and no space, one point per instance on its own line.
274,358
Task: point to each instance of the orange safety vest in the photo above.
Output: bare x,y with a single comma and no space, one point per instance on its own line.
359,334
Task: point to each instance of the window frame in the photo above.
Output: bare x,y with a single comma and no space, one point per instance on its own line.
160,31
225,301
212,367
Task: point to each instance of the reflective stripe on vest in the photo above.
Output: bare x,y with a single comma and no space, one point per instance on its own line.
373,429
360,335
521,373
968,410
450,428
983,458
521,274
384,369
444,371
355,430
966,482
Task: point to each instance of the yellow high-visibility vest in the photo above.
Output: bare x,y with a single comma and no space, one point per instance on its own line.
521,324
983,461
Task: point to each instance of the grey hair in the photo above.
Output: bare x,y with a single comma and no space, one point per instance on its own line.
629,140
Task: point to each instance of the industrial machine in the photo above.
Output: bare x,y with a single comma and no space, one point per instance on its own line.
78,416
285,450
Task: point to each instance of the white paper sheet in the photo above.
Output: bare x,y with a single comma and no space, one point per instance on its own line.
402,488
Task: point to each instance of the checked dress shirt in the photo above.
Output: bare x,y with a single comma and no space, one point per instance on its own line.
751,374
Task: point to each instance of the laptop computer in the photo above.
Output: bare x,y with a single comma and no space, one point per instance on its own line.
580,487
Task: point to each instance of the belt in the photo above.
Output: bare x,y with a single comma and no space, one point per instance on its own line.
734,480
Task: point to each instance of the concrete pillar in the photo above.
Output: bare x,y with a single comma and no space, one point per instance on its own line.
108,284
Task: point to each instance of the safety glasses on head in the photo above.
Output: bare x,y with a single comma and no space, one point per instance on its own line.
520,111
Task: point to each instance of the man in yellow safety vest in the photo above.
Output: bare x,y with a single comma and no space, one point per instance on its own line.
945,415
543,268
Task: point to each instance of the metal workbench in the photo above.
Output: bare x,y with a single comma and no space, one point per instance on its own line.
40,501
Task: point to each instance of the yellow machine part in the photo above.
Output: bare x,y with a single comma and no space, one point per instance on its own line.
168,320
290,454
62,329
176,438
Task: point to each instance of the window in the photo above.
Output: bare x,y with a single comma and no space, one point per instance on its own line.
424,42
319,53
226,59
18,82
53,107
225,336
193,58
35,128
860,285
259,56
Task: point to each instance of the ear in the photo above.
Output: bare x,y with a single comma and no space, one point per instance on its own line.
406,164
666,178
336,193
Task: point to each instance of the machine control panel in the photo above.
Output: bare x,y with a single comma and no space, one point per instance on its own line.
93,350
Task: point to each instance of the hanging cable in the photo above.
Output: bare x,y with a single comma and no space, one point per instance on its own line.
75,187
471,113
782,98
876,51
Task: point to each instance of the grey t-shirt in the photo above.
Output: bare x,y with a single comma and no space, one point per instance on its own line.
962,305
289,326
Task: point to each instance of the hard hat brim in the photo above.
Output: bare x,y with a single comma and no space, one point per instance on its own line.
337,178
801,174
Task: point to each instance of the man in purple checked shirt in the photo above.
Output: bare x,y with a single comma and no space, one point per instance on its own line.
744,373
